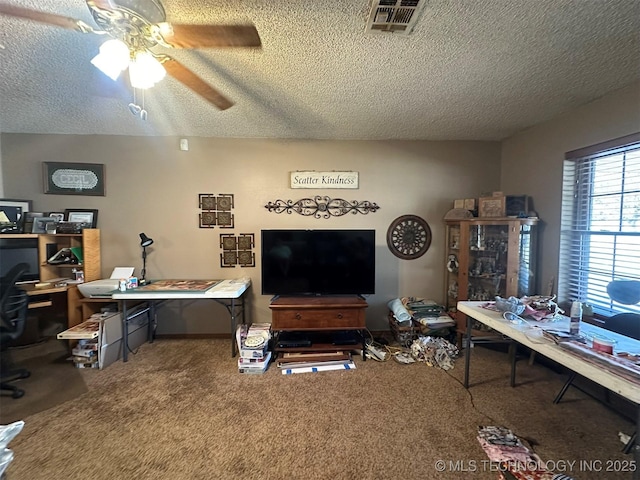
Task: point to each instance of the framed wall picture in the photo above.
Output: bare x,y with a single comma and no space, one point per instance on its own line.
64,178
491,207
82,215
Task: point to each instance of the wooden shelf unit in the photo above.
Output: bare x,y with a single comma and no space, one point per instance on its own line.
89,241
319,315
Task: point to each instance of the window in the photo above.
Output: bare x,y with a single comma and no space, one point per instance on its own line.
600,234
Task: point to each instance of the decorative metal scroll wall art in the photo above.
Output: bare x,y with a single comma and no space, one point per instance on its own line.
322,207
216,210
237,250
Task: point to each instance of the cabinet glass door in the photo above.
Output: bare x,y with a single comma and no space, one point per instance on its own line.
452,266
527,247
501,260
488,259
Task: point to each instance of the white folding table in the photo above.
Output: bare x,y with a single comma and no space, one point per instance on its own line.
229,293
529,334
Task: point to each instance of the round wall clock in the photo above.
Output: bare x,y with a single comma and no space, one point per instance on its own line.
409,237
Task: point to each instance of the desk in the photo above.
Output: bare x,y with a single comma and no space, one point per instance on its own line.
32,291
529,335
229,293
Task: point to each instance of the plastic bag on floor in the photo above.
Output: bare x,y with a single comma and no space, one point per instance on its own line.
7,433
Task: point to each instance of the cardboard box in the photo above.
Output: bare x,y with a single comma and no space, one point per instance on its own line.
107,329
111,338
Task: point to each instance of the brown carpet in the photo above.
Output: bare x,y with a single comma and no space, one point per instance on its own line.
52,382
179,410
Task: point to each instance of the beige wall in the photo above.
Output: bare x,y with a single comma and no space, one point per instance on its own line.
1,181
153,187
532,160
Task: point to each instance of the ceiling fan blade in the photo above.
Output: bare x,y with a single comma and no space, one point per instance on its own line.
195,83
43,17
205,36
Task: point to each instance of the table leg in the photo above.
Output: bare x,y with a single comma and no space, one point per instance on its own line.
125,332
567,384
636,448
513,349
232,311
467,358
151,332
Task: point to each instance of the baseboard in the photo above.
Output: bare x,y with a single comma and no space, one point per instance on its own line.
191,336
375,333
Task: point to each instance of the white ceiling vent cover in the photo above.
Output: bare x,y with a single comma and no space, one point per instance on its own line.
394,16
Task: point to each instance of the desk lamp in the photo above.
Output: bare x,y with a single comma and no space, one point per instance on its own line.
144,243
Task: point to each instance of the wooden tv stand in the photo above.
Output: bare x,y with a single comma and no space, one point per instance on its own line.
319,316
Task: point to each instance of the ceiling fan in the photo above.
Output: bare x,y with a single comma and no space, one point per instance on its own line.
136,27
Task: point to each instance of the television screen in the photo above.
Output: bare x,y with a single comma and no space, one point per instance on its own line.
18,250
318,262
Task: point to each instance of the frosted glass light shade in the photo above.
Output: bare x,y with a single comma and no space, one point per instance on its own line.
112,59
145,71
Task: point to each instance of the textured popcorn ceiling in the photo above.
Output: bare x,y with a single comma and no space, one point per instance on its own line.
472,69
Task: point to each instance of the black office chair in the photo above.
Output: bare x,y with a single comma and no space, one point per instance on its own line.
627,324
14,303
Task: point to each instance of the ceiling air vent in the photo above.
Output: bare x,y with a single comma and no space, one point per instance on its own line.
394,16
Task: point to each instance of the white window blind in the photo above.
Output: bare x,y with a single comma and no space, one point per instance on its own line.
600,234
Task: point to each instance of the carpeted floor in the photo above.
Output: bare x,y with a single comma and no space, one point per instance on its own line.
52,381
179,410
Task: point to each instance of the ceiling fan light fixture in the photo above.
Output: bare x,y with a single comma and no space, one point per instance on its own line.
145,70
112,59
165,28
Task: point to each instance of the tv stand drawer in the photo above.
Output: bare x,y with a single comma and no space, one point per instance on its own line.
299,319
318,313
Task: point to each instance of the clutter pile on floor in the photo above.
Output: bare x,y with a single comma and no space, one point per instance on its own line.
512,460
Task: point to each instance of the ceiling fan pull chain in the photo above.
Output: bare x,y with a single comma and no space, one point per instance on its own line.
143,112
134,108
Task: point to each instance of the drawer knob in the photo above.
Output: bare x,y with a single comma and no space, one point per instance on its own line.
298,316
340,316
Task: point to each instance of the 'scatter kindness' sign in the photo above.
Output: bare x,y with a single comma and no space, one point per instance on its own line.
313,179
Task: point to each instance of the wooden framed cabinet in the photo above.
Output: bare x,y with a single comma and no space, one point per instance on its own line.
63,297
320,319
88,241
91,265
489,257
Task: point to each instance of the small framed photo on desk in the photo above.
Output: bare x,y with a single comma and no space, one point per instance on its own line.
44,225
82,215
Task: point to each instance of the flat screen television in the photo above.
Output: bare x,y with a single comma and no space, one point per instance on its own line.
318,262
18,250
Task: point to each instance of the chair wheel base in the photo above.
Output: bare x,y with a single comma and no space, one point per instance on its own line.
17,394
15,391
